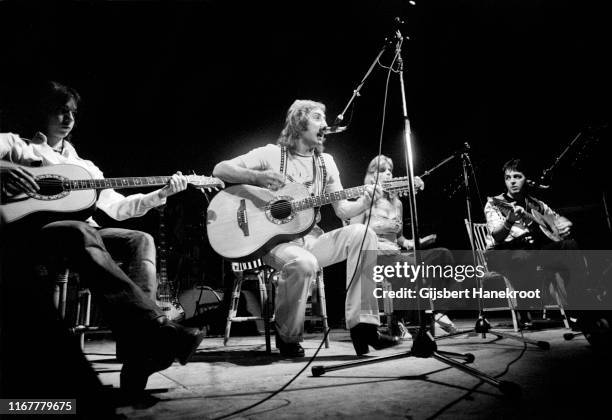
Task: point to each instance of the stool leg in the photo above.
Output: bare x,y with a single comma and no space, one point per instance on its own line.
264,282
387,302
234,305
512,305
323,305
87,317
558,282
59,295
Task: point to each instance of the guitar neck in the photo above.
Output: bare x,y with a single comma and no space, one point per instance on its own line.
116,183
328,198
395,185
508,206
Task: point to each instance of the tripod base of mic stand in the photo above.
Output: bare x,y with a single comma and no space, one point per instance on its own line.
571,335
483,327
424,346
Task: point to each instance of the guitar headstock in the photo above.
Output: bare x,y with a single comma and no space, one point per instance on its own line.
501,203
401,185
205,182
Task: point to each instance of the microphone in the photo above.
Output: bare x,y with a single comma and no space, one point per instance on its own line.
536,185
334,129
465,149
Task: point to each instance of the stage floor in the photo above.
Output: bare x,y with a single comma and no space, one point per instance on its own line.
219,380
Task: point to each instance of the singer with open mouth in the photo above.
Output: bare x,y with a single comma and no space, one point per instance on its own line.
298,157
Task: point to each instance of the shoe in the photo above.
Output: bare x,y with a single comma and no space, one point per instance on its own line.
400,330
165,342
187,342
291,350
364,335
445,324
145,355
135,375
175,339
525,322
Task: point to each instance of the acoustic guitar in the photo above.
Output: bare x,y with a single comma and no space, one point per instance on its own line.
69,192
244,222
545,222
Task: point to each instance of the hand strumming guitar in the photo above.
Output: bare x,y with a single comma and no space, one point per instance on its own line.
269,179
16,179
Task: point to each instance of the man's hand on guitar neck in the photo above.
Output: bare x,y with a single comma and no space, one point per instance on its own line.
16,179
177,183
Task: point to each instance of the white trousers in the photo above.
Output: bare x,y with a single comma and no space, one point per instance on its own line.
298,262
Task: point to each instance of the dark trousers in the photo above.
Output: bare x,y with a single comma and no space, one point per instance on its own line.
37,357
521,268
126,300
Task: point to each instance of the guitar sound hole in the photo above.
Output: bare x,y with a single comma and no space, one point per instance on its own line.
280,209
49,186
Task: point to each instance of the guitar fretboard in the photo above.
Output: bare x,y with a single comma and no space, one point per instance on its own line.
395,185
133,182
327,198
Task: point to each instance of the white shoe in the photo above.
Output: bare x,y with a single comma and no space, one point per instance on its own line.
445,324
404,333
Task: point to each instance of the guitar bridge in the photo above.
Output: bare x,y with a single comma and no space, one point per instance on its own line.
243,221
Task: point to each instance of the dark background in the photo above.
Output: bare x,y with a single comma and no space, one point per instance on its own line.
182,85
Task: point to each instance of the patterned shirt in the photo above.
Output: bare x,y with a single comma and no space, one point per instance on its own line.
496,217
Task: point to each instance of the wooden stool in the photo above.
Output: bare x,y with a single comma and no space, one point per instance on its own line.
83,306
266,277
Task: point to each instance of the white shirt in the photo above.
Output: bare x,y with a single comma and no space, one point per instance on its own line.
299,168
38,153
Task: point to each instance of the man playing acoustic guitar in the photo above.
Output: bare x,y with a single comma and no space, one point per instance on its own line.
529,235
297,158
149,341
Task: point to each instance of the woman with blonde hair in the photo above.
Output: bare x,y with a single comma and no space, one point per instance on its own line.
386,220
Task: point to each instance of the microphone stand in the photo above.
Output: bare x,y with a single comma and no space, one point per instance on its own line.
356,93
424,345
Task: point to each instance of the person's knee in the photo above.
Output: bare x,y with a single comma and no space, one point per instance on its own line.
358,231
67,232
144,243
304,266
445,256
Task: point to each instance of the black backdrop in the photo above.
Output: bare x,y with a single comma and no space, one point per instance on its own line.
182,85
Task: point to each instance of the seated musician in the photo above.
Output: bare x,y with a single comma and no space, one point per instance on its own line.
149,342
387,221
298,158
511,221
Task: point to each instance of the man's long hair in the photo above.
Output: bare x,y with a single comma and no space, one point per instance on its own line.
44,99
296,122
